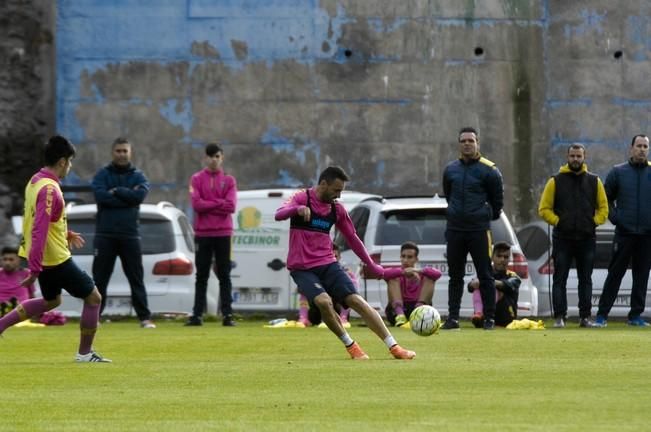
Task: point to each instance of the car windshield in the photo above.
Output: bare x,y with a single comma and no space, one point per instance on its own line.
157,235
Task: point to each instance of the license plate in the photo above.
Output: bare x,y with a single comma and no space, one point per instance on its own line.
255,296
443,267
118,302
621,300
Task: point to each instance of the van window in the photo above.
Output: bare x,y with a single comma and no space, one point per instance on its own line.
423,226
359,216
534,242
157,235
187,231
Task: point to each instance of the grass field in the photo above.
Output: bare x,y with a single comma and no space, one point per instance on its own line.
251,378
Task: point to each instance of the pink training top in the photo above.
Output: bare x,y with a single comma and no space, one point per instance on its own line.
214,196
410,287
309,249
42,220
10,285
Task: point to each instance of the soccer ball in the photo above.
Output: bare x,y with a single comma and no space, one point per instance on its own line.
425,320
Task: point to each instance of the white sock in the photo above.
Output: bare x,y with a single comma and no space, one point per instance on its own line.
346,339
390,341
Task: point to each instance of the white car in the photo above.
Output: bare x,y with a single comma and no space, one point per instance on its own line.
384,224
167,257
535,239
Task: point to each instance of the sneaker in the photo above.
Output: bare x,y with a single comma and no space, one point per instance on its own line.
450,324
193,321
400,320
638,322
559,323
477,320
400,353
91,357
148,324
600,321
228,321
356,352
489,324
587,323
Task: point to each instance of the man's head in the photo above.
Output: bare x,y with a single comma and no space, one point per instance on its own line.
408,254
332,181
59,153
10,259
501,255
121,152
639,148
575,157
468,143
214,157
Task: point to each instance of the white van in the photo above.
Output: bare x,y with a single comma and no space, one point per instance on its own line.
261,281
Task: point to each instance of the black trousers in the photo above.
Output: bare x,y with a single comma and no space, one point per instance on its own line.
626,248
107,249
206,249
479,245
583,252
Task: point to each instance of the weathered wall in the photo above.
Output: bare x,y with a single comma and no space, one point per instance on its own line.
26,97
380,87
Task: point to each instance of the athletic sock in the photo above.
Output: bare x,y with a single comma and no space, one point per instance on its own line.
23,311
303,307
390,341
398,308
346,339
477,304
88,327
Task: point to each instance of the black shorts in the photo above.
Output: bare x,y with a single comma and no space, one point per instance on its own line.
65,276
329,278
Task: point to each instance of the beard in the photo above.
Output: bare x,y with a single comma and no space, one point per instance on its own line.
575,166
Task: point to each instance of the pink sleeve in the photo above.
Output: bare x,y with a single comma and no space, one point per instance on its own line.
199,204
229,202
45,208
392,273
291,206
431,273
345,226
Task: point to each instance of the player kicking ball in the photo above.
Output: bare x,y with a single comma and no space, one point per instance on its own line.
312,264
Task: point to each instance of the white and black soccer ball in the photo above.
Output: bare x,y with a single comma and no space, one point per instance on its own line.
425,320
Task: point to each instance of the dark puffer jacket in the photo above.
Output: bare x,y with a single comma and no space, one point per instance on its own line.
628,188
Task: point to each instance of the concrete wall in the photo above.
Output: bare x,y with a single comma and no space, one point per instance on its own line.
380,87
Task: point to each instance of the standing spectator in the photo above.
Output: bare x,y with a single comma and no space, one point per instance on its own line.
214,195
312,265
11,275
119,189
408,286
628,188
507,286
574,202
46,246
473,189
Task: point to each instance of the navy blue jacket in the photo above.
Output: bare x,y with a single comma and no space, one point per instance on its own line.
628,188
474,192
118,212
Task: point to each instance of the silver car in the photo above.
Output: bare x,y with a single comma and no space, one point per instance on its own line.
384,224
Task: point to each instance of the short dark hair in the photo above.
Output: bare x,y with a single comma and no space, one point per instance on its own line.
409,245
575,146
501,247
212,149
468,129
120,140
10,250
58,147
332,173
638,136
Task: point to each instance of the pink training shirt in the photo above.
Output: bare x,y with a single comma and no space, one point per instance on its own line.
410,287
309,249
214,196
10,285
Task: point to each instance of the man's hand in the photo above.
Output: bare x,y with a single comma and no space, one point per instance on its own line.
75,240
305,212
474,284
411,273
29,280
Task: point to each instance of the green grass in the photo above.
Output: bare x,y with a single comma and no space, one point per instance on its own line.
251,378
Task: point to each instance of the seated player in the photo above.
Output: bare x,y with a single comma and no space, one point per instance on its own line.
408,286
507,284
11,275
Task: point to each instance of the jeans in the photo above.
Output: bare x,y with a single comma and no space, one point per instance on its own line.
582,251
107,249
626,248
220,248
478,244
